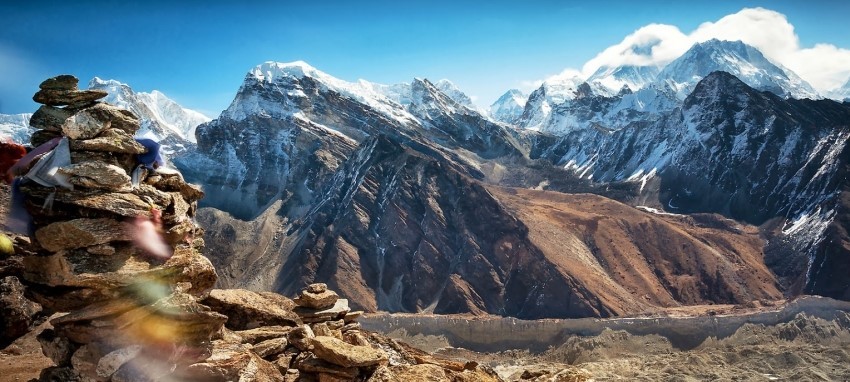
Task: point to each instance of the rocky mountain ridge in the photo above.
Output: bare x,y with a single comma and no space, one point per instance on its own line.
372,208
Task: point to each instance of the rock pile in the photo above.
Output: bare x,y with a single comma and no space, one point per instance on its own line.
316,337
113,244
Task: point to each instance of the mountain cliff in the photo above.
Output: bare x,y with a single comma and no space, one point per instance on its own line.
731,149
739,59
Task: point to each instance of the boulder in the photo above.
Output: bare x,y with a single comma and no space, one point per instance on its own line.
231,362
68,97
83,126
40,137
58,349
79,233
248,310
112,361
117,203
78,268
415,373
340,353
309,363
98,175
118,118
352,316
175,183
60,82
317,288
301,337
177,318
59,374
112,140
17,312
50,118
320,300
269,349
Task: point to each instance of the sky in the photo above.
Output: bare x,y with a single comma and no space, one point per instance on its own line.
198,52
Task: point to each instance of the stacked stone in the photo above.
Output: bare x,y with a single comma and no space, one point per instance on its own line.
88,253
321,341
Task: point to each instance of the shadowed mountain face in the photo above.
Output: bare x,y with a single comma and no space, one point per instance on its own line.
392,196
749,155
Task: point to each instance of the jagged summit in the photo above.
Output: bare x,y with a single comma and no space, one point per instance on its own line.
842,93
742,60
270,71
616,78
161,116
508,108
450,89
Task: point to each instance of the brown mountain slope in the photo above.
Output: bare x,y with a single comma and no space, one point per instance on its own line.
635,260
404,231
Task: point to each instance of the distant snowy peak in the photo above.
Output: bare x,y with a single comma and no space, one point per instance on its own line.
160,115
554,91
448,88
743,61
276,90
615,79
16,127
842,93
508,108
280,90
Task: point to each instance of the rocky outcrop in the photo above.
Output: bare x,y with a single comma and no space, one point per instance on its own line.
17,313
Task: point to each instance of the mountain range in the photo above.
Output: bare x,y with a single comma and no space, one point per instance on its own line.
717,179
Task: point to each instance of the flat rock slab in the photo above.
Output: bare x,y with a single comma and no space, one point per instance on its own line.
344,354
253,336
270,348
307,362
78,268
98,175
337,311
67,97
79,233
248,310
112,140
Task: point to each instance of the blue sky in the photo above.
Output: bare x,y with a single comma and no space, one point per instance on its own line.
197,52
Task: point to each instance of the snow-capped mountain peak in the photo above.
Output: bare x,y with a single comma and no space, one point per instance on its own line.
16,127
508,108
160,115
741,60
616,78
842,93
450,89
273,89
270,71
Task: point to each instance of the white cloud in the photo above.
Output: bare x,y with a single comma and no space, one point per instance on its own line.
654,44
825,66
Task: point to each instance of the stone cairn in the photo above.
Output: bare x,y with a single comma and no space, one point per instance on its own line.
114,249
